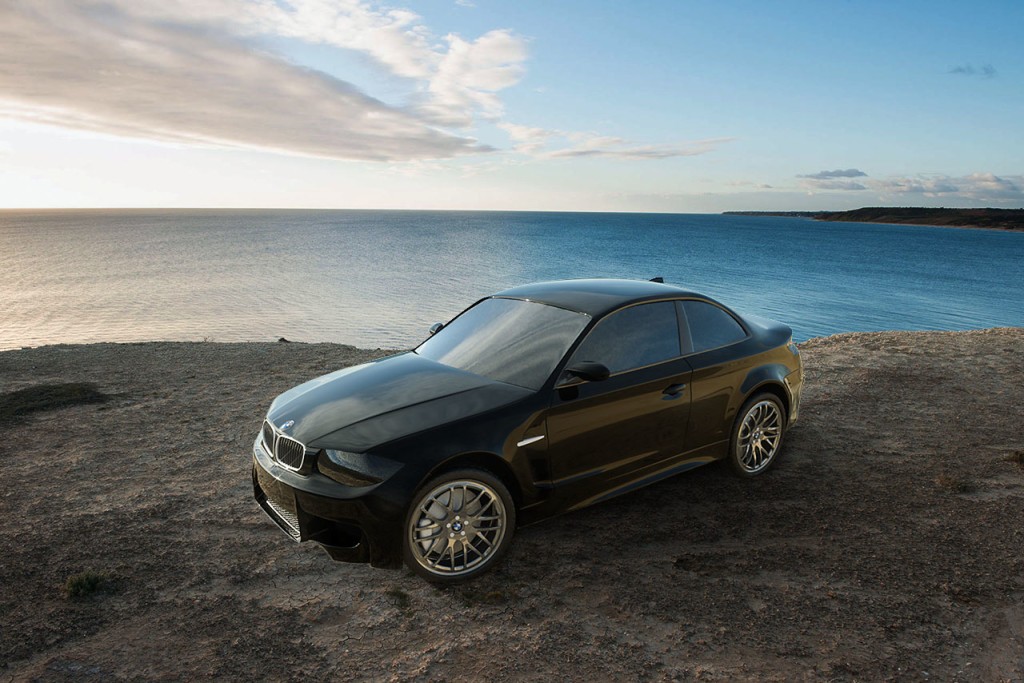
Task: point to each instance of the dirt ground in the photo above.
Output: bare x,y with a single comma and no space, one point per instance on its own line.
887,543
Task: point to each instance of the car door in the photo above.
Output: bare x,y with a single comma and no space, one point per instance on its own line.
600,433
712,334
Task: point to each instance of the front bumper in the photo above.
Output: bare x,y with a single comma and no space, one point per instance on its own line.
351,524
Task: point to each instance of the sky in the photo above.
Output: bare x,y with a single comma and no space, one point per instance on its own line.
661,106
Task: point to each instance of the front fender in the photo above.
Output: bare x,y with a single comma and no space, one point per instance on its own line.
490,440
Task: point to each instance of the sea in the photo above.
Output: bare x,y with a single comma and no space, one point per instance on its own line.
379,279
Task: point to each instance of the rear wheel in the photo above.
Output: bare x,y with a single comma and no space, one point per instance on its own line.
757,435
459,526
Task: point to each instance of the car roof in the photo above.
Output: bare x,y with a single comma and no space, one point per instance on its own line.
595,297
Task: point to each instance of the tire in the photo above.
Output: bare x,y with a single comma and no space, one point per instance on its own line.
757,435
459,525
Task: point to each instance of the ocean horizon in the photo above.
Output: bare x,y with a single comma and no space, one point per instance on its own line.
379,278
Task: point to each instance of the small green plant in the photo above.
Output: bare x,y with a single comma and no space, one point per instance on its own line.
85,583
472,596
955,484
18,403
401,599
1017,458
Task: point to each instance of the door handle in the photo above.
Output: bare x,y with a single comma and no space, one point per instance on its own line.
674,389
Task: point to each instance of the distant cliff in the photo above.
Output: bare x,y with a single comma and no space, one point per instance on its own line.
1001,219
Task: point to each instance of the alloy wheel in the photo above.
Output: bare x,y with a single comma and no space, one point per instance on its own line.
759,436
457,528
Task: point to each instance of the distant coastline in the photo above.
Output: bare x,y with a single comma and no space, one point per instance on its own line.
993,219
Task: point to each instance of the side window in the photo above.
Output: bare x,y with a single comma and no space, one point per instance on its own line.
633,337
710,326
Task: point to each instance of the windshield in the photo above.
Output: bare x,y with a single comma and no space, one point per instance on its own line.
509,340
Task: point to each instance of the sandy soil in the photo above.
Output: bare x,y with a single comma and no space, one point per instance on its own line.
887,544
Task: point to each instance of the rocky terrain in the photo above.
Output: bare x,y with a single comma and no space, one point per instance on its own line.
887,544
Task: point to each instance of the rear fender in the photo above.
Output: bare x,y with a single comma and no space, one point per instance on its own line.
769,377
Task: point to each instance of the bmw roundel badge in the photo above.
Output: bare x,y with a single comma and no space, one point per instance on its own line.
287,425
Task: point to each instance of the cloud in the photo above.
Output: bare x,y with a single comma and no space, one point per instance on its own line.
198,72
542,143
460,77
838,173
928,186
530,140
189,71
976,187
617,148
983,71
844,185
973,190
832,180
469,76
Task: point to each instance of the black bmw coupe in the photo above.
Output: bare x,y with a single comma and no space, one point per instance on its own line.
536,400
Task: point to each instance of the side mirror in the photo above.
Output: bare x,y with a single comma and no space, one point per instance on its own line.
435,328
589,371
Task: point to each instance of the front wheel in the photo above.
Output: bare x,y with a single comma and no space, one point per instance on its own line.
459,525
757,435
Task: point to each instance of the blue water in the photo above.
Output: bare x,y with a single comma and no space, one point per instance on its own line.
380,278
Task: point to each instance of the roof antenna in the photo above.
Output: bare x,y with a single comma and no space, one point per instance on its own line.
658,279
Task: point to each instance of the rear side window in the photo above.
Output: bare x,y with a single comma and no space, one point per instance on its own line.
710,326
633,337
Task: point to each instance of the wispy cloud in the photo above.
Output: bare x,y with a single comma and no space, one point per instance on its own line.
834,180
395,38
838,173
983,71
844,185
198,72
750,184
542,143
924,185
617,148
977,187
189,71
469,76
529,140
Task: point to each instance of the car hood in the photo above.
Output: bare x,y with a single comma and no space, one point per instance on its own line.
361,407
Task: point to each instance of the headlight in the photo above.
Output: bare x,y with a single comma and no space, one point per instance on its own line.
355,469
